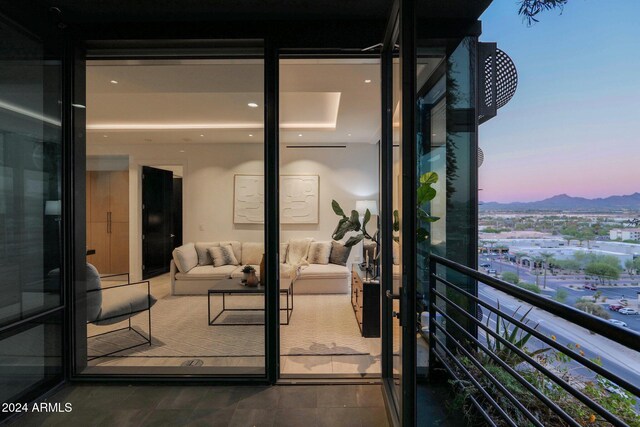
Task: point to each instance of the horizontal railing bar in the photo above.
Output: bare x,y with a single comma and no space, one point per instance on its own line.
497,383
627,338
509,369
478,386
473,399
577,357
577,394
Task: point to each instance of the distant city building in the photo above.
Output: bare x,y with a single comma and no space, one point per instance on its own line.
561,250
625,234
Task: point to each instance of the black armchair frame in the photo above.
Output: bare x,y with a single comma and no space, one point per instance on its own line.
147,339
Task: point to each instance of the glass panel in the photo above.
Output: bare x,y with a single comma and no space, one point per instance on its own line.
30,176
30,358
175,199
446,141
329,133
397,212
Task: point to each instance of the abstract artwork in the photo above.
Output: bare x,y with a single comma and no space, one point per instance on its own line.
248,199
299,196
299,199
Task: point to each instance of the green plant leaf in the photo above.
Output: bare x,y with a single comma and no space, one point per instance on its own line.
355,220
425,194
354,240
344,226
429,178
367,217
337,209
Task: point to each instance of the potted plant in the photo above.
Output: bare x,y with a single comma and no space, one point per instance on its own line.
246,272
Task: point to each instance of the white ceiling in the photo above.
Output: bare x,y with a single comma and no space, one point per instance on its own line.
321,101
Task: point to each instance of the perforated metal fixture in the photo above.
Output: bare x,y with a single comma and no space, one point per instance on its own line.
498,80
480,157
506,79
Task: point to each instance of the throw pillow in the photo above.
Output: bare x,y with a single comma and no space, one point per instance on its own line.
339,253
185,257
203,254
223,255
319,253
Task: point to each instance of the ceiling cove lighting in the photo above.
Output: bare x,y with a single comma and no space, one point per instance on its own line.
203,126
252,105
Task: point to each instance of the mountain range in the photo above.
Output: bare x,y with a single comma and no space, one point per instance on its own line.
564,202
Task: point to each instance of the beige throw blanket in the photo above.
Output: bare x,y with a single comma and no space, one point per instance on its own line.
297,256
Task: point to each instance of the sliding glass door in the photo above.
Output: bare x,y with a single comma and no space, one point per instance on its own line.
31,214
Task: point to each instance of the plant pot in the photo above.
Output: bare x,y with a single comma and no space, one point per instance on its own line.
252,280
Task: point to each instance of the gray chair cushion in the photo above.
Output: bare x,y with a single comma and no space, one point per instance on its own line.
94,299
121,303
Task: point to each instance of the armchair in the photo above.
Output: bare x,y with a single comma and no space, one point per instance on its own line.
115,304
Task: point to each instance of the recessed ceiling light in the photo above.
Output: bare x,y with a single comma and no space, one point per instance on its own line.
250,134
105,136
252,105
182,151
201,134
367,81
299,134
348,134
114,82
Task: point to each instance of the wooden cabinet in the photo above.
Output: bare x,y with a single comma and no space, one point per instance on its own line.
108,220
365,300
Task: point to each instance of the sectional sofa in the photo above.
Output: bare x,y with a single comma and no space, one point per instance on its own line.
193,273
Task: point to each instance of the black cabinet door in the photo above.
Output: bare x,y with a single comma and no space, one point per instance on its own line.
157,221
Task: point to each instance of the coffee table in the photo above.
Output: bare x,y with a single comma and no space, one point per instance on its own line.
229,287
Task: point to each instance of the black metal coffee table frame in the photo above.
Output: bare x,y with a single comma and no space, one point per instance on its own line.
234,286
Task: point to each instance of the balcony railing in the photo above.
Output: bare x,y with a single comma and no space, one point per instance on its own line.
512,373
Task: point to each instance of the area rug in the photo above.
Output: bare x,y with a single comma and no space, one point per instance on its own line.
319,325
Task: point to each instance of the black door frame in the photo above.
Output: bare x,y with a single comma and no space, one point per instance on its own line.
401,27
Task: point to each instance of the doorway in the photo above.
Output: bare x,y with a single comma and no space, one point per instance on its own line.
329,163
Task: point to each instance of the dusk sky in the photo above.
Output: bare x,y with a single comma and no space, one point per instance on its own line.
573,125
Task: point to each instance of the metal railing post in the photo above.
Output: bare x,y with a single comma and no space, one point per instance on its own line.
432,316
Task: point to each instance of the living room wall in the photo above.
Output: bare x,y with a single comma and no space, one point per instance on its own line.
345,174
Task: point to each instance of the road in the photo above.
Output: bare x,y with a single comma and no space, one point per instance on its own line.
614,294
616,358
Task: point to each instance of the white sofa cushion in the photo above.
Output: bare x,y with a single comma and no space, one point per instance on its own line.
252,253
206,272
319,253
185,257
223,255
328,271
283,252
203,256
